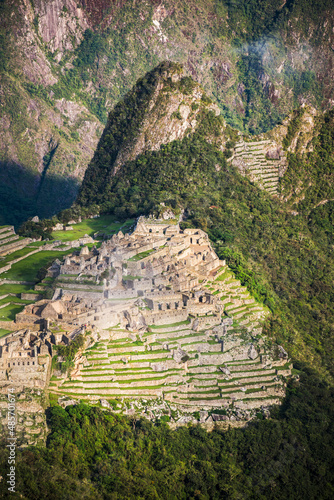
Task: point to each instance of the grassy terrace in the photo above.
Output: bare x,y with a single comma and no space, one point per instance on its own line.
9,312
20,238
16,255
93,380
36,244
141,255
14,306
15,289
4,236
3,332
15,300
27,269
171,325
134,353
106,224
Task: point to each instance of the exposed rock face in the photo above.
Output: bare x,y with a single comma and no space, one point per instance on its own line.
274,154
162,107
252,352
169,117
304,130
63,78
179,355
225,370
61,24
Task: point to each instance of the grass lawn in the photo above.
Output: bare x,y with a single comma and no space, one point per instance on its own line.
141,255
15,289
105,224
8,313
15,255
3,332
226,275
27,269
36,244
14,299
170,325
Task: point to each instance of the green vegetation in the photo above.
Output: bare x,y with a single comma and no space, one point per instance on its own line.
97,454
252,19
105,225
15,289
278,256
15,255
141,255
256,76
9,312
285,260
3,332
170,325
68,352
16,300
33,267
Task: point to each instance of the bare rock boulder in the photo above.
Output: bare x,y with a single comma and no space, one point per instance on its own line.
252,352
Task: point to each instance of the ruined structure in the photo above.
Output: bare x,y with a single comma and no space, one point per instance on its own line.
171,323
25,359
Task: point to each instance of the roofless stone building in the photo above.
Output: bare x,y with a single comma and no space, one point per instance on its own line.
170,321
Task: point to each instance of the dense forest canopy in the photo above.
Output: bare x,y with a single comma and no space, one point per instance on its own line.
98,455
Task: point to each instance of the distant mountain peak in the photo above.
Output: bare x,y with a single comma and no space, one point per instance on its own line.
162,107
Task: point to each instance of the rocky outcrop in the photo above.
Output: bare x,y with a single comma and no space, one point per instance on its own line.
61,24
170,114
67,54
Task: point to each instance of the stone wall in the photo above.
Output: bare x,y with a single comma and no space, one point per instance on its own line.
12,247
165,317
8,325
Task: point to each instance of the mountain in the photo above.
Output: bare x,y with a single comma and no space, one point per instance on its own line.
64,65
164,106
166,150
264,194
165,147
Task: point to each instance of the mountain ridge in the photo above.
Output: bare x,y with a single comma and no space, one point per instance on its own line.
65,64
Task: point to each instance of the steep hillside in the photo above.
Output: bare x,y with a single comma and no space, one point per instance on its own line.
164,106
64,65
284,256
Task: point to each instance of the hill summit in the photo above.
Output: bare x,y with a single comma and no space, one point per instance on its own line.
166,138
162,107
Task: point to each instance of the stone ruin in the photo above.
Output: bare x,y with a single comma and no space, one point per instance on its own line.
169,325
25,359
102,287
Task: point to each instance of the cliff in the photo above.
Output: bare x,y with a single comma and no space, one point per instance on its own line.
65,63
164,106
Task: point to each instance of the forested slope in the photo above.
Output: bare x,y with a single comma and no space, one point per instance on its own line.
64,65
277,248
97,455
